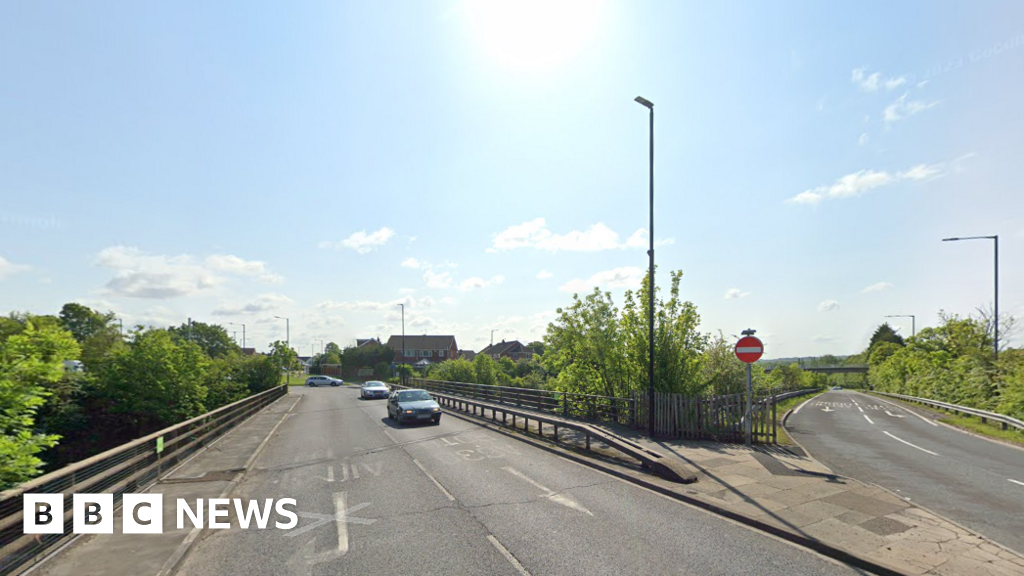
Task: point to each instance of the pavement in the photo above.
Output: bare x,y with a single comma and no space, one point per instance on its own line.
787,493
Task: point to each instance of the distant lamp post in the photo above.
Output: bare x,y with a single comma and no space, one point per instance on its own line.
650,308
995,315
403,332
288,342
492,336
243,331
913,322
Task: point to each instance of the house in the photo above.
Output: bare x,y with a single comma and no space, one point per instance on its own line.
514,350
467,354
360,342
430,348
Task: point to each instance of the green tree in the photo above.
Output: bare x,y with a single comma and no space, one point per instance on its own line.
485,370
885,333
537,347
284,357
29,361
83,321
458,370
213,339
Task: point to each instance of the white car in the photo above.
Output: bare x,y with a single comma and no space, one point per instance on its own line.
374,389
314,381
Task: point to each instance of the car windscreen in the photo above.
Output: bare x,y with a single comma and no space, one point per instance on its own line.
413,396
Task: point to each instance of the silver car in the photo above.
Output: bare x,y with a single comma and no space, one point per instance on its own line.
374,389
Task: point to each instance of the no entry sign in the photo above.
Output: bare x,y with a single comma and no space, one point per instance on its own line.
749,349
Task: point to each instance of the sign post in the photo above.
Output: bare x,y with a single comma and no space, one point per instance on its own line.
749,350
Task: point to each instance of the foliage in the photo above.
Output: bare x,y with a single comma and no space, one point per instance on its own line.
284,357
458,370
213,339
29,361
885,333
355,357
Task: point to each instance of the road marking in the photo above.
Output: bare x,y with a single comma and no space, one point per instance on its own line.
557,498
341,516
868,419
508,555
893,415
1016,481
911,411
911,445
339,508
802,404
861,409
827,409
330,474
434,480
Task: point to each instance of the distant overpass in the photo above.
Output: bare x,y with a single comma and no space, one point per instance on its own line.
851,369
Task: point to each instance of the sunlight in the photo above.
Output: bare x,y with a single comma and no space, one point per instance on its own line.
533,34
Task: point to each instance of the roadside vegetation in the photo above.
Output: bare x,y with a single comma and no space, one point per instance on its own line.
132,384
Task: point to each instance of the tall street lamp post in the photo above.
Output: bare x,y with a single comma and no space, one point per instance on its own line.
913,321
288,342
243,331
403,334
995,315
650,308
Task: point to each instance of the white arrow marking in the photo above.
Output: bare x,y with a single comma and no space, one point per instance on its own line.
893,415
827,409
558,498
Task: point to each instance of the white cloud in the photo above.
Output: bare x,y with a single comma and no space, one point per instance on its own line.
476,282
828,306
624,277
231,264
863,139
877,287
448,300
857,183
823,338
8,268
544,275
141,275
535,234
872,82
362,242
435,280
640,239
735,293
411,263
901,108
262,303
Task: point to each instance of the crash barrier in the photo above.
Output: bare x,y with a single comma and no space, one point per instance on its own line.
1004,420
128,468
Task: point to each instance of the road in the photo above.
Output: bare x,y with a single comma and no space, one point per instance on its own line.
457,499
969,480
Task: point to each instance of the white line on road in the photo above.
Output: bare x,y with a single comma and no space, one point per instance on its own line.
339,508
861,409
434,480
508,555
894,415
562,499
911,445
519,474
1016,481
911,411
868,419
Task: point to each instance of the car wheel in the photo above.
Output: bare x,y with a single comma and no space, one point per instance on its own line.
437,421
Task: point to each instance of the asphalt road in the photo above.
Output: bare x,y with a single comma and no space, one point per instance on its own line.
460,499
972,481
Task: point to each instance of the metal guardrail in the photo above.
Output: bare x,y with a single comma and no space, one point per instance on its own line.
566,404
128,468
1005,421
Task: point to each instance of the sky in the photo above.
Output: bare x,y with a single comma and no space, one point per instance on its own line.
481,162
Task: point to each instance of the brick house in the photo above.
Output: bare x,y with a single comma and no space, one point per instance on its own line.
514,350
433,349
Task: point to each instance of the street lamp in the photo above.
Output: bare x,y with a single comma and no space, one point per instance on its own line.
913,321
650,309
995,315
403,333
492,336
288,342
243,331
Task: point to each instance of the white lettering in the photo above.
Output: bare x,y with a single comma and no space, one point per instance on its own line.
253,510
282,511
217,512
197,518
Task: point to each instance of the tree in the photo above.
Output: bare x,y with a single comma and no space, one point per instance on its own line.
213,339
284,357
537,347
458,370
84,322
29,361
885,333
485,370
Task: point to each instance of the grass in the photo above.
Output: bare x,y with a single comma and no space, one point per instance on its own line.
780,410
298,378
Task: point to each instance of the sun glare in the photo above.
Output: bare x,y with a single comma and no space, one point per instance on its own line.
533,34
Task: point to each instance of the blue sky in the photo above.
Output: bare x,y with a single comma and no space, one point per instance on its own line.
479,162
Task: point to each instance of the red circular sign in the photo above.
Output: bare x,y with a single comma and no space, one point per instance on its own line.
749,349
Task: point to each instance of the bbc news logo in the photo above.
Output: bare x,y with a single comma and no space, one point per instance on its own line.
144,513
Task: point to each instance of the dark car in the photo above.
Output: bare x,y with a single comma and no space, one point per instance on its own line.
413,406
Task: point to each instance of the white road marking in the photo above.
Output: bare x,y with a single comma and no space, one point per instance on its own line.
339,508
330,474
911,445
508,556
827,409
434,480
861,409
562,499
802,404
868,419
1016,481
911,411
894,415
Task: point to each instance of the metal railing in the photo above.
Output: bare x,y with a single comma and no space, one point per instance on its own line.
128,468
566,404
1005,421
